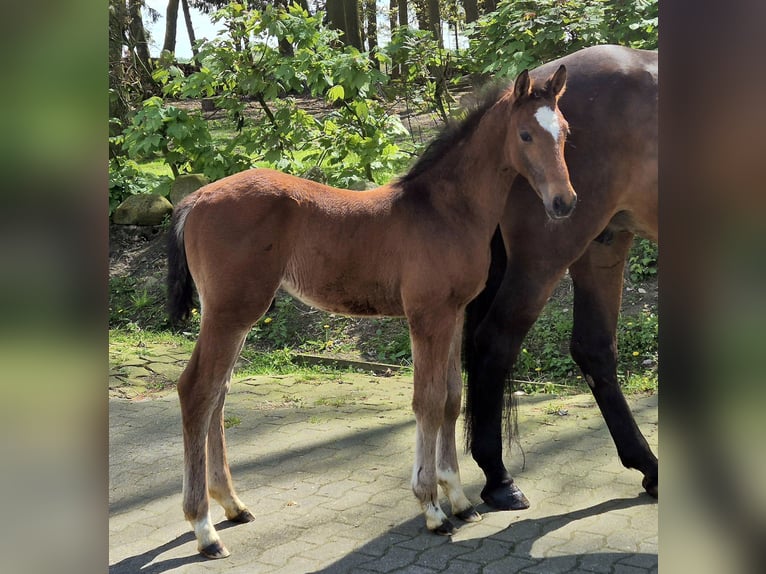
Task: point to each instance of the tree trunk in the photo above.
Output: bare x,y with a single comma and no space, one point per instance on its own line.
421,13
343,16
139,48
490,6
404,17
336,17
189,26
435,21
118,107
471,8
353,34
371,12
171,22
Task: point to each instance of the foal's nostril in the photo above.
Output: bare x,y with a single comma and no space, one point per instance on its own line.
561,208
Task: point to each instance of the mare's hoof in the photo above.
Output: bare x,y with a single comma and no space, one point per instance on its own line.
469,515
242,517
215,550
446,528
505,497
651,486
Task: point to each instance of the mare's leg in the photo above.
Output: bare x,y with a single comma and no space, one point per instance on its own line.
495,344
220,485
431,341
202,390
598,280
447,470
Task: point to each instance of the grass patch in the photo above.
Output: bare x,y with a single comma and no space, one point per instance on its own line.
231,421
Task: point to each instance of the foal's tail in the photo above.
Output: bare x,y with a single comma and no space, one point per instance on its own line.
486,387
180,283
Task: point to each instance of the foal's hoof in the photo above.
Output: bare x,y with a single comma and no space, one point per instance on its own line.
651,486
242,517
446,528
505,497
469,515
215,550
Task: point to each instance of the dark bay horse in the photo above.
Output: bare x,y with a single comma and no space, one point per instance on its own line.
611,107
418,247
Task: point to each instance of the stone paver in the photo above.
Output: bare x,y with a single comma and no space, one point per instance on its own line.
325,467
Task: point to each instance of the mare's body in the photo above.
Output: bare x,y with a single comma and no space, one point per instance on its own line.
611,153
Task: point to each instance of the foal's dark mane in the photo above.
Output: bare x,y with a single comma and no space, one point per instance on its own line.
453,134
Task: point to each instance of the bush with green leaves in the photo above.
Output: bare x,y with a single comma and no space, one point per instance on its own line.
126,179
270,56
526,33
182,139
642,260
423,70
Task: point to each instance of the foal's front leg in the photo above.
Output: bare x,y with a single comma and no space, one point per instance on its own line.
431,338
448,472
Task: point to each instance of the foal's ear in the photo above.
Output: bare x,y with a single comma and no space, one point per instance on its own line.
556,84
521,86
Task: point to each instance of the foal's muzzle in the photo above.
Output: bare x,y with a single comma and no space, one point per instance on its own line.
561,208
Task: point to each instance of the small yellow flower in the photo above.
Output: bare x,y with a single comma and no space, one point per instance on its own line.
194,312
330,343
267,320
635,353
538,369
326,326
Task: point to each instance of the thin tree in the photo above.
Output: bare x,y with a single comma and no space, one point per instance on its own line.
371,15
189,26
171,22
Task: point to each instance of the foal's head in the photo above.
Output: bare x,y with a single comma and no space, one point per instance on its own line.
535,141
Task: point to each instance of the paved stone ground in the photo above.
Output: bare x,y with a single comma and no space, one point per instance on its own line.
325,467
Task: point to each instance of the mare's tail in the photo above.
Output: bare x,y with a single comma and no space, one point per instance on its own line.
180,284
484,390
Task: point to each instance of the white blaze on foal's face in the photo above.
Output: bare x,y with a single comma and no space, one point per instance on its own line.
549,121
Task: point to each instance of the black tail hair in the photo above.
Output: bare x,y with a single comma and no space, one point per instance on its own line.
472,355
180,284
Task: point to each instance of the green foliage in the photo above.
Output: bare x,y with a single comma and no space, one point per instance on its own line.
388,341
127,178
423,69
182,139
135,306
642,260
637,339
526,33
355,140
545,355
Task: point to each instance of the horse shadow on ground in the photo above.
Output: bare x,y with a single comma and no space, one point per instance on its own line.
143,562
418,551
408,548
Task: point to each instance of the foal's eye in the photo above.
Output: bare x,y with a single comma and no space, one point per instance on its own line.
525,137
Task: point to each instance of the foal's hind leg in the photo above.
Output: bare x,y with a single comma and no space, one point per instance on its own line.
598,280
201,390
220,485
447,470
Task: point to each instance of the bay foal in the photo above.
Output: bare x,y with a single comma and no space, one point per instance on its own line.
418,247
